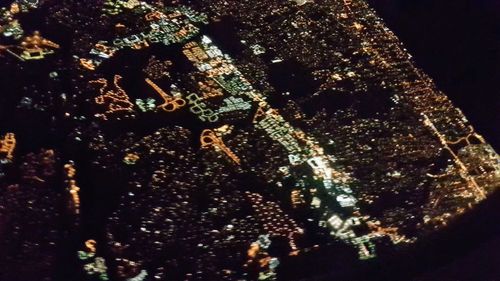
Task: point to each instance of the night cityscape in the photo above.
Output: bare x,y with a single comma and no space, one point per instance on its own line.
243,140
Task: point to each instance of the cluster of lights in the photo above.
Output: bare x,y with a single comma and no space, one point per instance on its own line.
210,60
72,187
234,104
33,47
157,69
7,146
297,198
276,224
94,265
209,138
146,105
257,253
464,171
223,74
439,115
278,129
166,26
131,158
216,65
210,89
30,47
115,7
274,220
170,103
199,107
36,47
12,28
391,232
116,100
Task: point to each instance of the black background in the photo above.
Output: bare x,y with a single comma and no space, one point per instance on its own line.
457,42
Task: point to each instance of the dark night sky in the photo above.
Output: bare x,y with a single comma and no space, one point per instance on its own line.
457,42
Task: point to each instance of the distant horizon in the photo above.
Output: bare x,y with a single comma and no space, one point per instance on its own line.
457,42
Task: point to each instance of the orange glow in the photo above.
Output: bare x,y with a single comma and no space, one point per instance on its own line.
117,100
274,220
209,138
88,64
156,15
464,171
104,49
264,262
14,8
73,188
70,170
194,52
91,245
253,250
210,89
36,41
140,45
131,158
347,4
170,103
7,145
258,114
297,198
